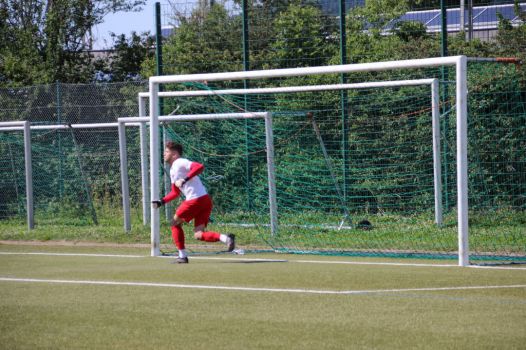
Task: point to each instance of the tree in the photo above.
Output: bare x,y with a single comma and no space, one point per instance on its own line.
301,38
206,41
44,41
127,57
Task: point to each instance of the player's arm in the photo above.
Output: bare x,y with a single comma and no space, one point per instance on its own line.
195,169
174,193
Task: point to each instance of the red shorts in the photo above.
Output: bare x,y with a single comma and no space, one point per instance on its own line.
198,209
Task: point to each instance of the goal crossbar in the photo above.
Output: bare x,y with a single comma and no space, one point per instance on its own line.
292,89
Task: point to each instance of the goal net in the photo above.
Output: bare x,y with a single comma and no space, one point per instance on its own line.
355,170
75,174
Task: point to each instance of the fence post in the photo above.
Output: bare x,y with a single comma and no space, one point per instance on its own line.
59,136
444,97
246,67
159,68
344,102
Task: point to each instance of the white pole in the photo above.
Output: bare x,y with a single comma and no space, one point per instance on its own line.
292,89
292,72
435,112
144,164
154,167
166,180
269,138
29,176
195,117
124,176
144,175
14,127
462,160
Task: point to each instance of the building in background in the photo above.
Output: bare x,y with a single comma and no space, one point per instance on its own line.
332,7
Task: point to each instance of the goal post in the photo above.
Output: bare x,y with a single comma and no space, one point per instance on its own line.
459,62
26,128
154,165
120,126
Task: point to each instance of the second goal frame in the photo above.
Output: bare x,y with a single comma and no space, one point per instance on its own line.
435,113
154,163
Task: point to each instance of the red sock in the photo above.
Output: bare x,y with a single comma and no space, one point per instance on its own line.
178,236
210,236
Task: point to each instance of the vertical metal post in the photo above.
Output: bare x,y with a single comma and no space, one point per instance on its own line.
445,106
246,67
435,114
462,161
469,34
59,135
144,174
29,176
159,70
158,40
144,165
154,167
158,50
125,185
443,12
344,102
462,21
269,138
166,180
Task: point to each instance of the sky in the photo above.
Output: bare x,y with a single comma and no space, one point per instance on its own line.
124,23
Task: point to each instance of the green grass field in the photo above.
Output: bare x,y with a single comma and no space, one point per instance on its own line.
124,299
498,232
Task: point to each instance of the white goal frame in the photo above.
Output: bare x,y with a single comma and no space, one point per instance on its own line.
14,126
459,62
26,128
435,114
154,163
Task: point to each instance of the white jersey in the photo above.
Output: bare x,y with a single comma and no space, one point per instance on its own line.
193,188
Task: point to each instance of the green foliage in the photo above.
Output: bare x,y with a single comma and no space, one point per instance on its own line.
300,39
408,30
128,55
45,41
207,41
389,172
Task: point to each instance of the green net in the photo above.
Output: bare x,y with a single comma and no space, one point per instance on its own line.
370,161
12,176
76,174
364,155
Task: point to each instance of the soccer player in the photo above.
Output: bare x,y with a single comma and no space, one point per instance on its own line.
197,205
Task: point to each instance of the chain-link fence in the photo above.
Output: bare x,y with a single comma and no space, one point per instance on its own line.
76,171
368,135
226,35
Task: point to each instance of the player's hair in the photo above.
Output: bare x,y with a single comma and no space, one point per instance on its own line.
172,146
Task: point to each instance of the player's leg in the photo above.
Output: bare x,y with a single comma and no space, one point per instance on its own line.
201,221
178,238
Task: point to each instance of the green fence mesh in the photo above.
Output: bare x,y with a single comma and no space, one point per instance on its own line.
387,177
76,172
366,156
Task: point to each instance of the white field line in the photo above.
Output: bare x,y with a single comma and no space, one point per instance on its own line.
253,289
268,260
75,254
